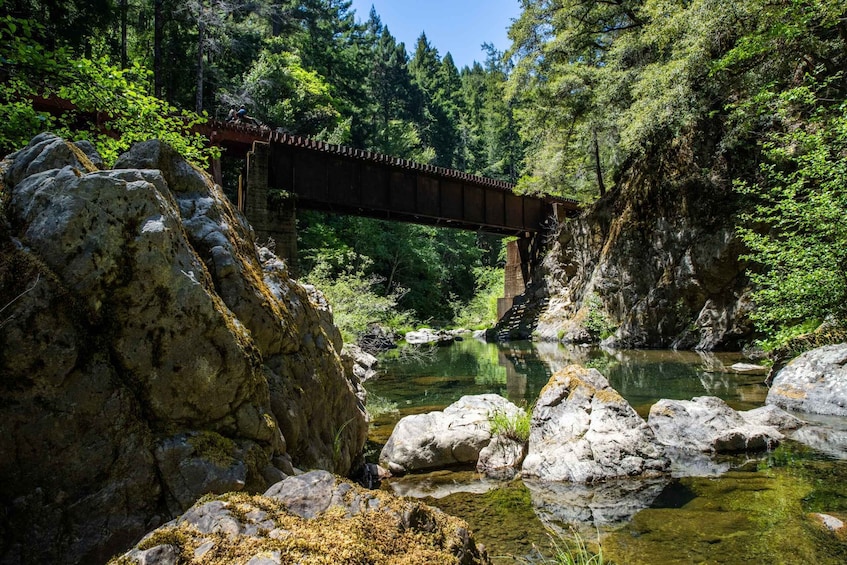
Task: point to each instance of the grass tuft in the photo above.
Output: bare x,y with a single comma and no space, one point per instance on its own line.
514,426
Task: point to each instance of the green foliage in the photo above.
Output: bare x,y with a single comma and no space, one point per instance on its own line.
94,88
429,271
794,225
354,296
572,550
596,321
600,87
481,311
377,406
288,95
515,426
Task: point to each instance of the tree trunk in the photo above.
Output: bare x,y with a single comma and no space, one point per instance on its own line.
201,30
158,37
597,169
124,10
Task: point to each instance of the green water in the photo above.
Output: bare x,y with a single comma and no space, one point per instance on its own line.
760,509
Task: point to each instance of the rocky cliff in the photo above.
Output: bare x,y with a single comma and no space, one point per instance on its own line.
654,264
149,352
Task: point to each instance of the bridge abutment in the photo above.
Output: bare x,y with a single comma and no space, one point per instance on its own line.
272,214
514,283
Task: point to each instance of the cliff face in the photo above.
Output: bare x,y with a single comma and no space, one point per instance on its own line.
149,353
645,268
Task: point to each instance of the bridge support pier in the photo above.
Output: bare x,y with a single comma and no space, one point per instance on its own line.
521,255
514,283
272,217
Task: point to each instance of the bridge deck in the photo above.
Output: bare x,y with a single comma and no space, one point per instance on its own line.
344,180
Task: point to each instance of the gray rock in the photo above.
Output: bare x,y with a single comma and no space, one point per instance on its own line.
212,517
749,368
45,152
442,439
773,417
189,472
831,523
284,526
665,276
707,424
428,335
502,458
815,382
583,431
307,495
139,311
358,361
158,555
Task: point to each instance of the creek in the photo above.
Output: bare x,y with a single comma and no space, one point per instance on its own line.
760,508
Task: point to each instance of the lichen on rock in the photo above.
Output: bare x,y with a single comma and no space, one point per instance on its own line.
312,518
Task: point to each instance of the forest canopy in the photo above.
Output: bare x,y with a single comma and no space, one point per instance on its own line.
314,67
743,98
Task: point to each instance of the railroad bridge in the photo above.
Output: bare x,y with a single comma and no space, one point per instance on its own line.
286,172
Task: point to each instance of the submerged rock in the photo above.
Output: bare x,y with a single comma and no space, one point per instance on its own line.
827,434
442,439
138,316
312,518
815,382
441,484
583,431
708,424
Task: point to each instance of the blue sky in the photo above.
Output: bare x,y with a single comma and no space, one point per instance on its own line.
457,26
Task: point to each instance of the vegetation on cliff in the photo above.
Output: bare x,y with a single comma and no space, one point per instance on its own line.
693,99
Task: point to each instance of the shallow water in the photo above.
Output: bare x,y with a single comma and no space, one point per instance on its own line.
759,509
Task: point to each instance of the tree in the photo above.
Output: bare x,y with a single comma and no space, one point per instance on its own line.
434,105
789,90
287,95
91,86
801,203
564,51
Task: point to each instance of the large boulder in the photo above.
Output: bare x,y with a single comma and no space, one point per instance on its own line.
583,431
443,439
313,518
149,353
708,424
815,382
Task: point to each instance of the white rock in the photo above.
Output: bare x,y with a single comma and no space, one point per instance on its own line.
583,431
